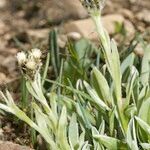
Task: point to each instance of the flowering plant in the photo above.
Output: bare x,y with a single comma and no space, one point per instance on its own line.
109,111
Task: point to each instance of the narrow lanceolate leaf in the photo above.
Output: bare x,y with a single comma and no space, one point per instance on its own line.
131,136
145,72
12,108
54,50
127,63
81,112
86,146
113,64
53,103
94,132
143,125
110,143
40,117
101,86
44,124
35,88
95,97
112,121
73,131
145,111
130,85
81,140
116,70
102,127
62,131
146,146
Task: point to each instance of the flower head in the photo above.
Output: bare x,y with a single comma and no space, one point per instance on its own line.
21,58
36,53
31,65
93,5
30,62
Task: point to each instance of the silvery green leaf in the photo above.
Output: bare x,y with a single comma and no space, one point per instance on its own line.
6,108
86,146
145,111
97,145
73,131
43,124
143,95
53,103
12,108
95,97
34,90
145,145
130,110
145,69
62,130
109,142
101,86
68,102
81,112
130,84
112,120
81,140
40,117
115,69
143,125
127,62
131,136
102,127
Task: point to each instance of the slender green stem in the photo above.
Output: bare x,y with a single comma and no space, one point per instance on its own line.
46,68
33,132
25,93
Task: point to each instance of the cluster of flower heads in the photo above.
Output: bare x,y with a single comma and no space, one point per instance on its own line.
29,62
93,4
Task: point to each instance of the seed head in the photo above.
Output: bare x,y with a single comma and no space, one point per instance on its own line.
21,58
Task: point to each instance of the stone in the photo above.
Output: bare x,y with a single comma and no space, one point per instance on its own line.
2,3
110,20
139,51
62,40
2,77
9,63
75,8
130,29
4,145
3,28
38,34
2,58
84,27
64,9
87,29
127,13
144,15
75,36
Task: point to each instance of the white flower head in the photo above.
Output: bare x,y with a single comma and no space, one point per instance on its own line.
36,53
21,57
31,64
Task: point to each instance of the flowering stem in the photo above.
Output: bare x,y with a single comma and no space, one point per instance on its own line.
105,41
46,68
